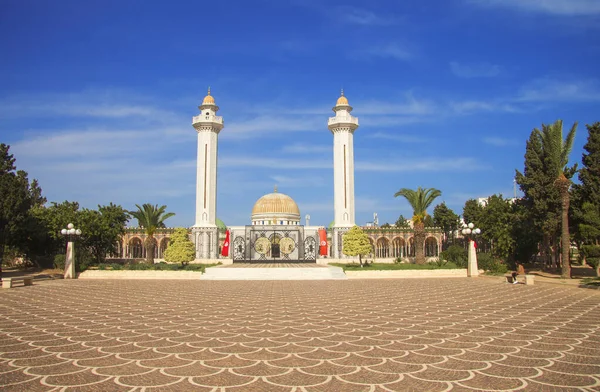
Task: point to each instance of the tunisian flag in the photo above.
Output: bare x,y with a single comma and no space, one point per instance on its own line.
225,249
322,242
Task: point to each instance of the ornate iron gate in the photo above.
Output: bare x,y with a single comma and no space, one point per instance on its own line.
239,249
263,244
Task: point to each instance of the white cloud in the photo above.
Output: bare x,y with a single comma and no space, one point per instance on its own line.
470,107
481,70
360,16
268,124
296,182
398,137
555,7
94,143
89,104
409,106
498,142
424,164
553,90
392,50
279,163
301,148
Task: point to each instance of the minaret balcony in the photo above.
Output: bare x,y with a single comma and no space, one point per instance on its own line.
343,120
207,118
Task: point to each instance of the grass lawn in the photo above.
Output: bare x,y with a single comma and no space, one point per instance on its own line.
591,282
151,267
393,266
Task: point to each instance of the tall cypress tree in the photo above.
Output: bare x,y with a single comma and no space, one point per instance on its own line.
589,174
541,198
586,196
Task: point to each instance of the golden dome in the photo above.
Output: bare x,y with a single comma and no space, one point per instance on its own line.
208,100
276,203
342,100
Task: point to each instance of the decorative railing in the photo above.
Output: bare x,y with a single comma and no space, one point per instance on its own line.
343,119
203,117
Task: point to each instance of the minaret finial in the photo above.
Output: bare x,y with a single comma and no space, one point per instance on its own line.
275,190
208,90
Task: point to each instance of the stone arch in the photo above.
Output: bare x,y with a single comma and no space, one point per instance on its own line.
399,248
135,248
164,243
431,247
155,248
382,249
411,247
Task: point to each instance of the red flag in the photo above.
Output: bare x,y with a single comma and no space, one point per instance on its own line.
475,244
322,242
225,249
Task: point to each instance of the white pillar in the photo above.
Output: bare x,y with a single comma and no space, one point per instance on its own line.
472,269
207,125
70,261
342,126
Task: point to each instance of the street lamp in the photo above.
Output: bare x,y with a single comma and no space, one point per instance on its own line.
71,234
470,231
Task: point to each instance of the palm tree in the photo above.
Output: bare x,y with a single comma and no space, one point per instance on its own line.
150,218
419,201
556,156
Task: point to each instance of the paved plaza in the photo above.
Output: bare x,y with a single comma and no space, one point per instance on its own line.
356,335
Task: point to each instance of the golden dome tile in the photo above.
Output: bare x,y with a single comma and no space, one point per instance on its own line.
276,203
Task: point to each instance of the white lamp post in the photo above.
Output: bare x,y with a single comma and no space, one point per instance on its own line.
72,234
470,231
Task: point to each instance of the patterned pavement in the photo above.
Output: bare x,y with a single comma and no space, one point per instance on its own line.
357,335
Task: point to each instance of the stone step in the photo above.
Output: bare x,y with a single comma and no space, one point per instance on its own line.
232,273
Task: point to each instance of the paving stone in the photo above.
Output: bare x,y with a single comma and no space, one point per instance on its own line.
353,335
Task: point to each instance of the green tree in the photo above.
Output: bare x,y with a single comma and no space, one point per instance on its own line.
445,218
150,217
17,197
496,224
102,229
472,212
524,234
556,153
541,199
180,249
356,243
419,200
586,197
386,225
402,222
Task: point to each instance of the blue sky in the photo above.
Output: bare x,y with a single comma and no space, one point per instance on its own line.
96,97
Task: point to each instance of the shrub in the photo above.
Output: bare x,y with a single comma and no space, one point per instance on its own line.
592,254
487,262
455,254
438,262
59,261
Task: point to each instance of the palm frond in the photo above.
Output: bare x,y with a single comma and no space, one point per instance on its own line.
419,200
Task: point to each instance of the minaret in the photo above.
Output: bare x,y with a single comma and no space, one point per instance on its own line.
342,126
208,125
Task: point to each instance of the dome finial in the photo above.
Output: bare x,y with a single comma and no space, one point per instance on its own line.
342,100
275,190
209,99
